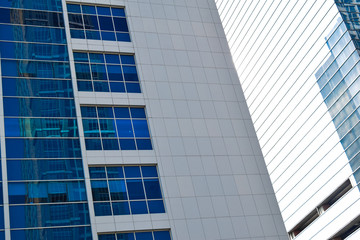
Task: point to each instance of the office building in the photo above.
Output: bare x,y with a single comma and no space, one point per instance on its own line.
126,120
298,64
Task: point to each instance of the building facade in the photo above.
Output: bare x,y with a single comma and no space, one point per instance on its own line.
126,120
298,64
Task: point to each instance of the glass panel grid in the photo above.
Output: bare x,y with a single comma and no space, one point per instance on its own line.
138,235
106,72
98,23
116,190
115,128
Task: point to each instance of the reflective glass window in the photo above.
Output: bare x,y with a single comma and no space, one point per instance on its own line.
107,72
135,192
113,128
111,21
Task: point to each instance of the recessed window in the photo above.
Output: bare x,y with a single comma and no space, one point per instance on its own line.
115,128
148,235
98,72
124,190
98,22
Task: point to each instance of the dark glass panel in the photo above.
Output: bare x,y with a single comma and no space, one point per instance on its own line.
102,209
121,112
115,73
97,172
105,112
37,87
96,58
121,208
135,189
77,34
73,8
115,172
156,206
32,34
162,235
98,71
137,112
93,35
121,24
110,144
82,71
88,9
118,12
143,144
85,86
44,169
40,127
108,36
101,86
76,21
141,128
124,128
38,69
46,192
149,171
112,58
91,128
143,236
81,57
104,11
107,237
88,112
39,107
127,59
29,17
130,73
42,148
133,87
50,5
49,215
91,22
132,172
123,37
100,191
2,222
152,189
125,236
117,87
107,128
127,144
117,190
68,233
106,23
138,207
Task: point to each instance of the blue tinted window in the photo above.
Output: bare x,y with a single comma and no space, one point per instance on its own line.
74,8
143,236
111,74
44,169
149,171
61,215
112,128
132,172
125,236
95,18
67,233
162,235
127,194
102,209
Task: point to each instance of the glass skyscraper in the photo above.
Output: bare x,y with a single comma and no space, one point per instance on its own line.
298,63
126,120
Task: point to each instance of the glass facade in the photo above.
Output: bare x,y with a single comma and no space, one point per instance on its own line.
339,84
98,23
114,128
46,187
98,72
349,10
143,235
124,190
